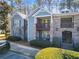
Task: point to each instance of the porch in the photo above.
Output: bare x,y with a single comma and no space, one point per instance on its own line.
43,28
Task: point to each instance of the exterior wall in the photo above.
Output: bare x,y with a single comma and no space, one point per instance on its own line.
17,30
32,24
57,30
76,33
55,27
22,28
31,29
57,34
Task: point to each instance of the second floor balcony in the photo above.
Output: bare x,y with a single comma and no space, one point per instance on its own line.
42,26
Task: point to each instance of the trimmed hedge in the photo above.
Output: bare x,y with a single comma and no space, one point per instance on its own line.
14,38
40,43
56,42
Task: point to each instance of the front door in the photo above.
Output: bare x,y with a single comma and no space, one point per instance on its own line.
67,39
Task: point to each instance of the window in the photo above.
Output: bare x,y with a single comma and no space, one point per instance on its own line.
67,23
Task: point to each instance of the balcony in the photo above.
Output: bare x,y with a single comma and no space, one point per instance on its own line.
42,26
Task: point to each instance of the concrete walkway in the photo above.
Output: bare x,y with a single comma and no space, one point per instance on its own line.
14,55
29,51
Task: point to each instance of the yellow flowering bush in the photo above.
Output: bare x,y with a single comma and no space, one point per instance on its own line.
57,53
71,53
49,53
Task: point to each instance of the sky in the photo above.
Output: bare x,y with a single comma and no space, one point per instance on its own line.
30,1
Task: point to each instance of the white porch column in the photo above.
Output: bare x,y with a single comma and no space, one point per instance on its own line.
51,29
35,21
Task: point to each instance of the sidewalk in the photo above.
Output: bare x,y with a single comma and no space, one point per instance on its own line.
29,51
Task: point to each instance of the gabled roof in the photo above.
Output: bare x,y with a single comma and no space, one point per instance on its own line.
39,10
23,16
33,12
42,12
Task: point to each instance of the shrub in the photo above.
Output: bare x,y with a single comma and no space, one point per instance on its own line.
14,38
56,42
71,54
57,53
49,53
40,43
68,57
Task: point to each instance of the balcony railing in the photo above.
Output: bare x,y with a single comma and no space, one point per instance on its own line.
42,26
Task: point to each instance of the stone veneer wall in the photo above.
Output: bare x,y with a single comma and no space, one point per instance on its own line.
56,27
76,33
57,30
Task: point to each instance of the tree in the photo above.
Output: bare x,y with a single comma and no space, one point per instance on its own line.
5,9
66,3
18,2
46,2
49,3
69,3
40,2
11,3
34,6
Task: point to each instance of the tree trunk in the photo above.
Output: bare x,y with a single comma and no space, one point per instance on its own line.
5,25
